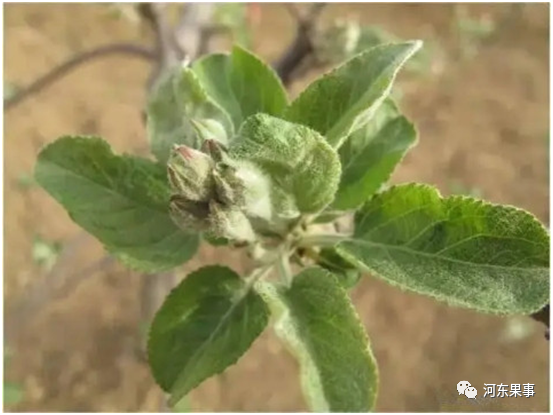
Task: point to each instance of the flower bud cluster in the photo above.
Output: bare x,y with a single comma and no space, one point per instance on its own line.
207,193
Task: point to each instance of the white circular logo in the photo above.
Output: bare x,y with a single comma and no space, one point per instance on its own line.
461,386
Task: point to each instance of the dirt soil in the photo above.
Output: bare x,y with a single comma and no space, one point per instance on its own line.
483,123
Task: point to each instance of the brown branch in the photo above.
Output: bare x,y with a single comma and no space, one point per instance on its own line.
72,63
191,31
57,284
165,46
543,317
302,45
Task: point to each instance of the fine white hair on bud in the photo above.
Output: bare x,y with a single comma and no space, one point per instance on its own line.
257,190
230,223
190,173
189,215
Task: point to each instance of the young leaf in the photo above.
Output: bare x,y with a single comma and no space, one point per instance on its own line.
242,84
121,200
457,249
370,155
205,324
298,160
176,103
317,321
345,99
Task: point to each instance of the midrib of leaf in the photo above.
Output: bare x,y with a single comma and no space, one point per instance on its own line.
133,204
176,397
357,159
429,226
334,137
238,96
228,81
297,346
426,254
108,189
152,244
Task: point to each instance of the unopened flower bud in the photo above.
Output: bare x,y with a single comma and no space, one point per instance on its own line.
216,150
229,188
189,215
190,173
230,223
209,129
224,191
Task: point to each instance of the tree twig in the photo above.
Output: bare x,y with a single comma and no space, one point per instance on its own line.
302,46
165,46
72,63
55,285
543,316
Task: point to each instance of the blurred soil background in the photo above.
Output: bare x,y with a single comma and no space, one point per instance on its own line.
482,111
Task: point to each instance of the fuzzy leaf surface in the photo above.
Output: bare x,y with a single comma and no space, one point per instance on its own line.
298,160
121,200
204,326
317,322
242,84
457,249
370,155
345,99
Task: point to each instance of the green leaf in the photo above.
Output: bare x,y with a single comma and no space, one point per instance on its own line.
10,90
460,250
13,393
346,273
242,84
176,102
205,324
298,160
318,323
371,154
121,200
344,100
234,16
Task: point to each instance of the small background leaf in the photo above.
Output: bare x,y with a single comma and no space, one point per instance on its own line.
318,323
121,200
370,155
345,99
13,393
205,324
234,17
45,253
343,39
457,249
242,84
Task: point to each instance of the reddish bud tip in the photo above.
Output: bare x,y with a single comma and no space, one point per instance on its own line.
185,152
